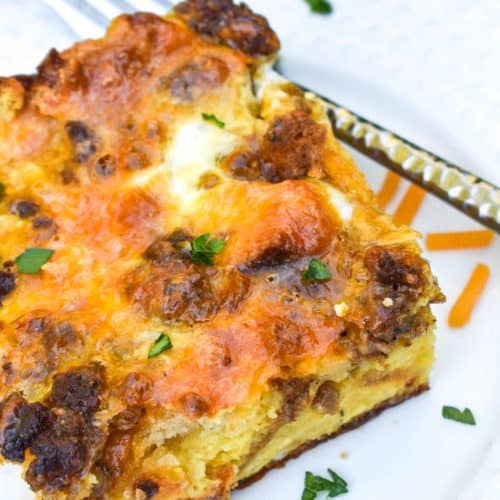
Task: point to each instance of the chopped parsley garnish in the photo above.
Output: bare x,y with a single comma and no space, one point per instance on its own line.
308,494
316,271
162,343
2,191
464,417
209,117
334,486
32,260
320,6
204,248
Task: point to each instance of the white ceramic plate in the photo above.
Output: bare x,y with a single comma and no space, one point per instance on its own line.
409,452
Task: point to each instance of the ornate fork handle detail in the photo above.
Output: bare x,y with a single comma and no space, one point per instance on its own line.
465,191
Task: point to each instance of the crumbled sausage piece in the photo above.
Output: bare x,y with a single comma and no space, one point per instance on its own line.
24,208
274,256
395,267
245,165
233,25
196,78
326,399
191,297
295,394
7,366
25,80
45,227
83,140
193,405
62,452
292,148
177,290
43,222
61,441
138,157
398,275
116,450
25,423
7,283
149,487
79,389
127,419
175,246
46,341
59,338
136,388
105,166
38,324
49,69
68,176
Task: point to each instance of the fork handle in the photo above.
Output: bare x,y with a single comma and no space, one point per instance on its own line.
465,191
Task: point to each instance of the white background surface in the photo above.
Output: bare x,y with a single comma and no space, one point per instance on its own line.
430,70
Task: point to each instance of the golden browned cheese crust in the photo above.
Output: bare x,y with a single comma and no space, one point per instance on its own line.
91,152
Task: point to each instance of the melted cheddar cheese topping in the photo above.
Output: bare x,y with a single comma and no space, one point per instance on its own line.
107,160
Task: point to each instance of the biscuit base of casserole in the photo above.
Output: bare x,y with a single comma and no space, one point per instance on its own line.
330,406
196,282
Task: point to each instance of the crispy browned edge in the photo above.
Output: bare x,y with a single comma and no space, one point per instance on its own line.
349,426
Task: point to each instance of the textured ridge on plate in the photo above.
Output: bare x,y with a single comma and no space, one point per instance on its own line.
470,194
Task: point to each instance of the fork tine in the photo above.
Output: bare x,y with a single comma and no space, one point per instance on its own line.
123,5
82,22
155,6
87,18
104,7
86,8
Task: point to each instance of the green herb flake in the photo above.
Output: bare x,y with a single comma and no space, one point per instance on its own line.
209,117
204,248
317,483
464,417
2,190
316,271
340,485
320,6
162,343
308,494
334,486
32,260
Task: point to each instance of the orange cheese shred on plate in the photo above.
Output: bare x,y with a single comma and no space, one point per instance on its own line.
408,208
462,309
388,189
459,240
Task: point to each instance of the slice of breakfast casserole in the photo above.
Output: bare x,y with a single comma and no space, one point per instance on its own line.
196,281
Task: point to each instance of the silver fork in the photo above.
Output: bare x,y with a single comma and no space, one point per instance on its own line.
87,18
465,191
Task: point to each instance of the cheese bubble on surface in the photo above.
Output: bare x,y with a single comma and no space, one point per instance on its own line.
342,205
194,150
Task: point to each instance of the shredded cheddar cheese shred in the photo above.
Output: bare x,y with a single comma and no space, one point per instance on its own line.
459,240
388,189
462,309
408,208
